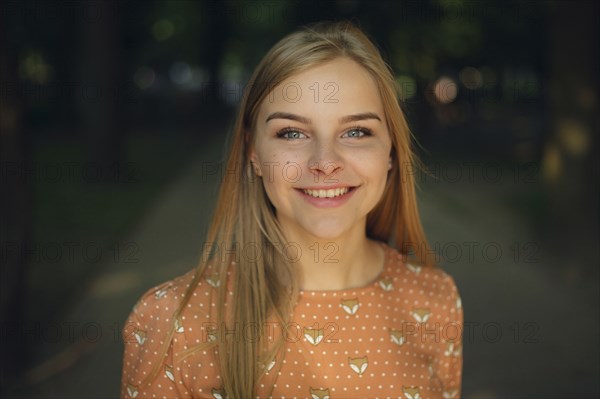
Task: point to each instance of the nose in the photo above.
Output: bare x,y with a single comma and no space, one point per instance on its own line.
325,161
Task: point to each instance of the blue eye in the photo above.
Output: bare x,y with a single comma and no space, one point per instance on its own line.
355,132
293,133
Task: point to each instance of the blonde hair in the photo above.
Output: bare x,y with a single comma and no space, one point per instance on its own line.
267,287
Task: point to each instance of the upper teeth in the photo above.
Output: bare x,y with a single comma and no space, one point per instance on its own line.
327,193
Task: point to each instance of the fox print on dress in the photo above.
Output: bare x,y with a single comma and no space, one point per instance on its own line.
178,326
414,269
214,280
211,334
269,366
397,337
319,393
411,392
160,293
350,306
132,391
421,315
450,394
140,336
453,349
358,364
314,335
386,284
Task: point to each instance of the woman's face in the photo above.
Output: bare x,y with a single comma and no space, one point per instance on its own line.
322,129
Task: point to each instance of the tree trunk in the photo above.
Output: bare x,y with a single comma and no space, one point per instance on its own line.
15,211
105,93
569,167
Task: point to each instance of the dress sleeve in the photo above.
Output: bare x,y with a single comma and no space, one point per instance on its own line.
144,335
450,369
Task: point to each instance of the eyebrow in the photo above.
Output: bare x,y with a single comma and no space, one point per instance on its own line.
307,121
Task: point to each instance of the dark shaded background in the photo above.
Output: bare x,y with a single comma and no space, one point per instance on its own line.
113,121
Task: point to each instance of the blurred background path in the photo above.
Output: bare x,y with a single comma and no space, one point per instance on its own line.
165,244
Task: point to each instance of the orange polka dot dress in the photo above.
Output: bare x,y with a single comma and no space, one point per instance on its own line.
398,337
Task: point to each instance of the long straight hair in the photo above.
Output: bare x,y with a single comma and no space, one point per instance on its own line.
266,287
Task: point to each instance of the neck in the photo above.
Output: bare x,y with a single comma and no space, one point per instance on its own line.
348,261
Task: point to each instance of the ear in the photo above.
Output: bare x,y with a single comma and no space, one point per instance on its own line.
254,161
252,155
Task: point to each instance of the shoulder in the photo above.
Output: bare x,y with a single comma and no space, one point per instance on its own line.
432,283
161,301
155,309
157,337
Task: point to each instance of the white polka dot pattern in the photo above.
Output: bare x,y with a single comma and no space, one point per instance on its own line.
398,337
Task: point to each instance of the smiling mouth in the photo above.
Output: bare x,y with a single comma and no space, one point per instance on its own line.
331,193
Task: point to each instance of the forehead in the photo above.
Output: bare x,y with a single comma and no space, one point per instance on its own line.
336,88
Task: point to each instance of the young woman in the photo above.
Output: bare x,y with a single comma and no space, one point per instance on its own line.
305,288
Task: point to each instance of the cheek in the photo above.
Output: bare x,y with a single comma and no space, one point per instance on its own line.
371,163
283,167
276,168
271,192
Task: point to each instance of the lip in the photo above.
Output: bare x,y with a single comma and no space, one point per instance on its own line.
327,202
